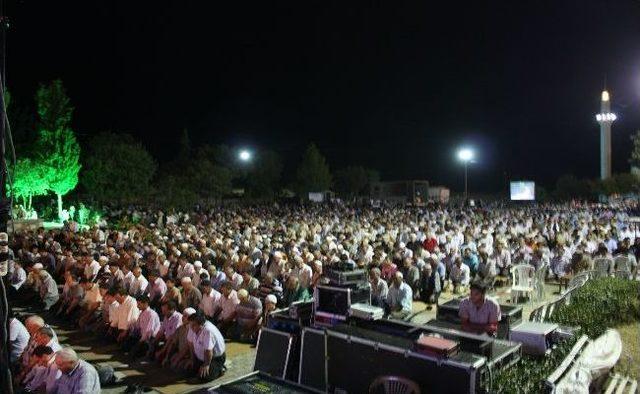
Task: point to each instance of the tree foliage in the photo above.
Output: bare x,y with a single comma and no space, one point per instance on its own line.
30,179
355,180
53,106
117,168
58,148
313,173
263,179
634,160
60,152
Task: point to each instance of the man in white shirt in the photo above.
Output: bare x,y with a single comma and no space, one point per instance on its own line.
210,303
17,278
228,303
207,348
92,267
90,302
126,314
460,275
128,277
139,284
302,271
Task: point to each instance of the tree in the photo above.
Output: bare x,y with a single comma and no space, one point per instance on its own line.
355,180
313,174
30,179
263,179
58,148
569,187
60,153
208,180
117,168
53,106
634,160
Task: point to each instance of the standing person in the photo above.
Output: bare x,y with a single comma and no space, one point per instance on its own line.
207,348
78,376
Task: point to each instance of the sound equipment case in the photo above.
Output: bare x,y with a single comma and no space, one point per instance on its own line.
342,278
511,316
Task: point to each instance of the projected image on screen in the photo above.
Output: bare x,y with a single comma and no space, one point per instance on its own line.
523,191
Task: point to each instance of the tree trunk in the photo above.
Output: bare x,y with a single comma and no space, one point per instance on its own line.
59,206
30,202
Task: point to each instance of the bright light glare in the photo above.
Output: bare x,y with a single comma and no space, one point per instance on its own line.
605,95
245,155
465,154
606,117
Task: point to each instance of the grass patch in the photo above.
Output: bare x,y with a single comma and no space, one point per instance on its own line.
598,305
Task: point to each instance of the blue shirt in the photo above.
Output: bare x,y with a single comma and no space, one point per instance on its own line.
18,338
442,270
472,262
82,379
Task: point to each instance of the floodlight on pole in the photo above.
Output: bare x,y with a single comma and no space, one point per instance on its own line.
465,155
245,155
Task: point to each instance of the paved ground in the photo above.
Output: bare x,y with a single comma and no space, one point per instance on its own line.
240,357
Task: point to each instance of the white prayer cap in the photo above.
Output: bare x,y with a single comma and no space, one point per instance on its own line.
271,299
197,264
38,266
186,279
189,311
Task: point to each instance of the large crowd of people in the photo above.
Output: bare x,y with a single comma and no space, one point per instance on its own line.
173,287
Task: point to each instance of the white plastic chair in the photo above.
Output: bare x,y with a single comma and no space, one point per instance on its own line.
522,281
622,263
540,277
604,266
394,385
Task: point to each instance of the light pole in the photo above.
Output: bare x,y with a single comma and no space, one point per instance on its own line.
465,155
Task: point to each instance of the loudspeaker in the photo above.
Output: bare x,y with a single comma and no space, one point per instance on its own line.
273,351
313,352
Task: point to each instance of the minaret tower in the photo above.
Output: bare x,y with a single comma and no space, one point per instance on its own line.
605,118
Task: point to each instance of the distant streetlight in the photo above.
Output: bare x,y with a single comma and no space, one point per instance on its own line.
245,155
465,155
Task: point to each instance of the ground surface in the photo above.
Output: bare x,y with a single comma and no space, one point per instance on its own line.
240,357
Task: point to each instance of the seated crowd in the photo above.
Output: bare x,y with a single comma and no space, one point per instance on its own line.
172,288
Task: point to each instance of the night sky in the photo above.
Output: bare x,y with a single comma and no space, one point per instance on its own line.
392,85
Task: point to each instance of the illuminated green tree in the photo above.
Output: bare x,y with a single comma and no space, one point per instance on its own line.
30,179
58,148
60,153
